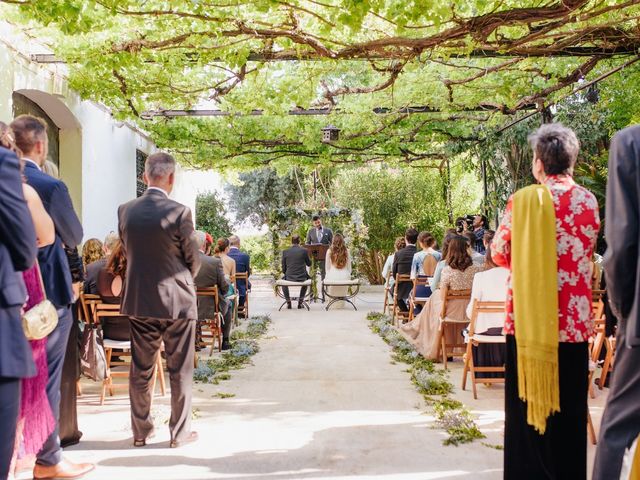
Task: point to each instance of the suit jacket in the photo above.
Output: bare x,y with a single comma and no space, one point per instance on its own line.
243,264
211,275
622,231
91,277
162,257
52,258
17,253
327,236
294,263
402,264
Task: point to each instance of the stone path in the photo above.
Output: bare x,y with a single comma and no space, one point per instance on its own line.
322,401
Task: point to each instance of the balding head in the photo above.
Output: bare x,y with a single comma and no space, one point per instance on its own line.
159,171
234,241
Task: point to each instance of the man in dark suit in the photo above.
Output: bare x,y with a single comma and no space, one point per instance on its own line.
94,268
319,234
159,295
295,261
402,265
243,265
17,253
31,138
210,275
620,424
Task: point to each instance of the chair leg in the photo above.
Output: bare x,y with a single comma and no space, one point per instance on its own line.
590,429
606,365
443,346
105,382
473,378
465,368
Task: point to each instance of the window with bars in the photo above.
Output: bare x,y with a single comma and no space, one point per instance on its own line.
141,157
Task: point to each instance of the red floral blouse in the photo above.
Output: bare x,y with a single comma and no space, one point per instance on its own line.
577,225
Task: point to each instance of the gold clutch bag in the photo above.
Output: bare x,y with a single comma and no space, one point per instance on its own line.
41,319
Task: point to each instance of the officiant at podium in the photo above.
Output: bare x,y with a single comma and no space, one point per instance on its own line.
319,234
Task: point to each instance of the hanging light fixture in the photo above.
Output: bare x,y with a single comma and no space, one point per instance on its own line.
330,133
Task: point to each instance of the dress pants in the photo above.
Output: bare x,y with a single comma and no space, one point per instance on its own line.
68,423
561,453
303,293
9,410
51,452
620,424
179,339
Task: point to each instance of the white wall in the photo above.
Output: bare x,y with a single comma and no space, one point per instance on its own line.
97,154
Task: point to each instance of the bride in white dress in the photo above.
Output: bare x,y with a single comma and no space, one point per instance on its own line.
338,265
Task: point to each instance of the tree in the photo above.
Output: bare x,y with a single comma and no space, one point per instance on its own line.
211,215
259,191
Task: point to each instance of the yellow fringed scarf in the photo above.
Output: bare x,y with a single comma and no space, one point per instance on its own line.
534,274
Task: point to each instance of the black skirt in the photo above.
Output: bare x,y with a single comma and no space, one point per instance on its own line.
561,453
489,355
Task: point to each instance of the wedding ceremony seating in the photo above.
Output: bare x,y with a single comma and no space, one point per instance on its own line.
289,283
351,292
214,323
414,299
457,347
388,292
243,277
399,315
475,340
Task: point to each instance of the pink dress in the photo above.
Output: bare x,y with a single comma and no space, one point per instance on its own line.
36,418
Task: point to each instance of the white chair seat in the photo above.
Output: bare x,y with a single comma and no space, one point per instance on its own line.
489,338
421,299
337,283
119,344
289,283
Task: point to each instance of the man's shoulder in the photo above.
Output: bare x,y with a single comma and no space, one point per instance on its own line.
97,265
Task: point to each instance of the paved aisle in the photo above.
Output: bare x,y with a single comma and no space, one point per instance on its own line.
322,401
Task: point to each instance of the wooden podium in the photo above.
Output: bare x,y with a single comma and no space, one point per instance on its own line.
318,253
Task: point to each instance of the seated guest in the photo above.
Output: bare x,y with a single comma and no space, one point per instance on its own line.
423,331
295,261
92,251
109,286
424,264
477,258
489,286
93,268
211,274
435,281
402,265
222,252
399,244
243,265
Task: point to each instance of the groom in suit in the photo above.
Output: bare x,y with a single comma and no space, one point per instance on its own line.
295,261
160,297
31,138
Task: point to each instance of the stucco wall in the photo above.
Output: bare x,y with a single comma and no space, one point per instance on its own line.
97,154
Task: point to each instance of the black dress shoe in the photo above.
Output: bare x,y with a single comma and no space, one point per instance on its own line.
192,437
289,306
226,345
300,306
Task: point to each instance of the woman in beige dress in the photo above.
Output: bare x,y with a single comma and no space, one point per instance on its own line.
423,331
228,264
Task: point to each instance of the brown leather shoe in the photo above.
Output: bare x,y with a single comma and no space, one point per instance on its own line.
62,471
192,437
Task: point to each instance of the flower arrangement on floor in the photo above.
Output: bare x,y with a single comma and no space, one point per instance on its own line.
244,345
451,415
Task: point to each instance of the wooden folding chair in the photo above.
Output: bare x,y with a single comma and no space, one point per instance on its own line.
243,277
597,341
388,290
414,300
103,310
607,366
86,312
449,296
476,340
215,322
399,314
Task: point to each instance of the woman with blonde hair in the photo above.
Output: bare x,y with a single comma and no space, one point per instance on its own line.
92,251
338,264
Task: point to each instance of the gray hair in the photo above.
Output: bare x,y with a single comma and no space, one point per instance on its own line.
556,146
51,169
159,166
110,241
234,241
201,237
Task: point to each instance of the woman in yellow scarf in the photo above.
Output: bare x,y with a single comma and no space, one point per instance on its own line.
546,239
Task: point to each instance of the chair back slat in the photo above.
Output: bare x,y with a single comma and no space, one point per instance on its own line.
88,301
449,295
483,307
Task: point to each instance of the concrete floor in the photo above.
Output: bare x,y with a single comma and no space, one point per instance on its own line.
322,401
